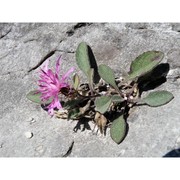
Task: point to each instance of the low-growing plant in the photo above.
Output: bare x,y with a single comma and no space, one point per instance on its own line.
104,99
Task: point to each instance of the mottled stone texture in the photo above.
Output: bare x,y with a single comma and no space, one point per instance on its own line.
153,132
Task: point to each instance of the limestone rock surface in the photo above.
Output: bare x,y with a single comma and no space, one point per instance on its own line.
153,132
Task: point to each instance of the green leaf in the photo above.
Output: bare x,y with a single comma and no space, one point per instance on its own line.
72,103
85,60
102,104
117,99
35,96
82,58
74,113
107,74
118,129
76,81
157,98
145,63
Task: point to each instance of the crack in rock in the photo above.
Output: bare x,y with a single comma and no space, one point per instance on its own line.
70,52
48,55
69,150
30,40
77,26
6,33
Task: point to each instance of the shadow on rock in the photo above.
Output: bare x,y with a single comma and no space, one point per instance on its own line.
84,122
173,153
93,65
154,78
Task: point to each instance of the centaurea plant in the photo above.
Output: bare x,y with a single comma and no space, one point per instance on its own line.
104,99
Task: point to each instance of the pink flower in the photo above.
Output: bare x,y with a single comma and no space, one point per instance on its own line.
50,85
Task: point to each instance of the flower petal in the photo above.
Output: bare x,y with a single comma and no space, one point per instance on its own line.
54,104
50,85
66,75
51,111
58,64
57,103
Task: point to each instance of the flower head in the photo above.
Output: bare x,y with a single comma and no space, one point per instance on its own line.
50,85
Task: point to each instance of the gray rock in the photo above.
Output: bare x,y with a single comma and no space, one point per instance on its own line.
23,47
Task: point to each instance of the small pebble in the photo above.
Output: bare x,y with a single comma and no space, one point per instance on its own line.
31,120
28,135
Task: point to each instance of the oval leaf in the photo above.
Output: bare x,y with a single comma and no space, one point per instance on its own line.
85,60
107,75
158,98
118,129
102,104
117,99
145,63
82,58
35,96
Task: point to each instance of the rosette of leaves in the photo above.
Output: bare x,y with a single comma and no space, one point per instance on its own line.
106,99
117,97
